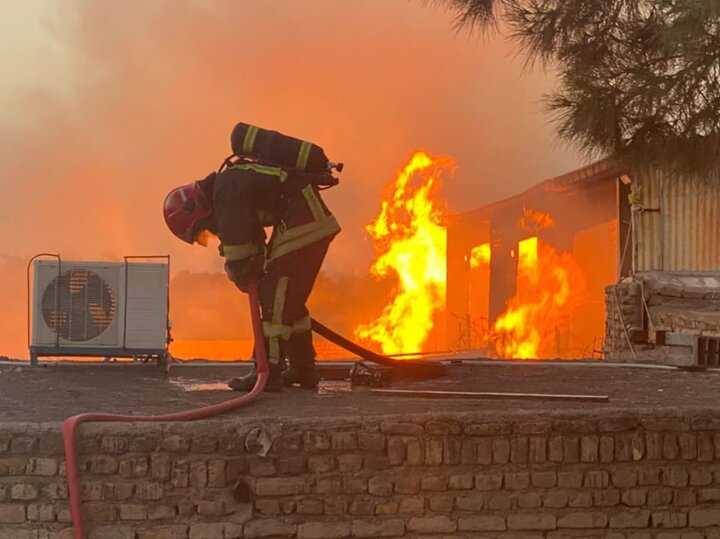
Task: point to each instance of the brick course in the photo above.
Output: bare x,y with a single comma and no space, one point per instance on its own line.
608,475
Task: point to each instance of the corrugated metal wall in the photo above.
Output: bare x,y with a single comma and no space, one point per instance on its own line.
684,235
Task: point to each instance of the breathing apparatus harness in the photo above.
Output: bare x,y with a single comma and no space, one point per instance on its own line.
322,181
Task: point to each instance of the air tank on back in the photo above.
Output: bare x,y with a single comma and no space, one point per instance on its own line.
281,150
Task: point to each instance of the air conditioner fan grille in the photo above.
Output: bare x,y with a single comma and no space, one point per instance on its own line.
78,305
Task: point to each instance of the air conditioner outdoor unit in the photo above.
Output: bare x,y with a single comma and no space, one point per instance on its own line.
106,309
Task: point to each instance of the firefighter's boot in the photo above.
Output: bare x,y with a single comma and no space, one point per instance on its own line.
246,383
302,375
301,358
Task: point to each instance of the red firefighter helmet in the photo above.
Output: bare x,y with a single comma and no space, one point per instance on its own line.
184,208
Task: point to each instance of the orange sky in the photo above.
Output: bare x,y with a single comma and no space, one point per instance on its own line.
149,93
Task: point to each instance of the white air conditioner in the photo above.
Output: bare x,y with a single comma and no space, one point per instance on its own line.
117,309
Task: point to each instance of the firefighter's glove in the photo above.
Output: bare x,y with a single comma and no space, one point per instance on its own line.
245,271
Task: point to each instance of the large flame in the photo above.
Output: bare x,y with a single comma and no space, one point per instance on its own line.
410,245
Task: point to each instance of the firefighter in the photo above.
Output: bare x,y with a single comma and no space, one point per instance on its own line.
236,204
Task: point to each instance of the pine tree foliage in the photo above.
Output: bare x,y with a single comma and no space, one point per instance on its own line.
639,80
475,14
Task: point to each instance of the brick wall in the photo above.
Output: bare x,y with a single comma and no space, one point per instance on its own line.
612,475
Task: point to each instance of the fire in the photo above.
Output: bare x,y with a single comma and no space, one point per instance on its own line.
480,255
528,261
410,242
533,220
549,286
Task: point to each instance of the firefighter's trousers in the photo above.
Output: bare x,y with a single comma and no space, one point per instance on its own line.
284,291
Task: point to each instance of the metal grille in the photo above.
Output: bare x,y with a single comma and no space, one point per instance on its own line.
78,305
708,352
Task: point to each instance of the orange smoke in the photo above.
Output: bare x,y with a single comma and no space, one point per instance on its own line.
107,125
549,286
210,317
411,246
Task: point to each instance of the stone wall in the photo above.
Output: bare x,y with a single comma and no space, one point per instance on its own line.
623,313
617,475
678,308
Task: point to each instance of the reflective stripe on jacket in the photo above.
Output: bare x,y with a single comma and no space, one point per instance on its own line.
248,197
306,221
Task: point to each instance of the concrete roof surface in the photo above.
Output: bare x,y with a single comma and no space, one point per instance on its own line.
51,393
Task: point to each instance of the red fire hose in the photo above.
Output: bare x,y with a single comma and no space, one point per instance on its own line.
71,424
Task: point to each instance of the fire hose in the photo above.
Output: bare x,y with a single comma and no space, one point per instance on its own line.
409,368
71,424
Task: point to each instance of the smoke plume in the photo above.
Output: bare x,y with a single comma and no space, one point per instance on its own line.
153,90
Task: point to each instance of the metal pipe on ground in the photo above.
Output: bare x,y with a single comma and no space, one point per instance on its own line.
429,394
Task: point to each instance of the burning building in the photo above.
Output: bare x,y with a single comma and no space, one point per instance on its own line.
593,263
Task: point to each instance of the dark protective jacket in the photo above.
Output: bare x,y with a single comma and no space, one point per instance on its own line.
248,197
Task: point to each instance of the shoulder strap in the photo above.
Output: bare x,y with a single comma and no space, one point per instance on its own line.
261,169
321,180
